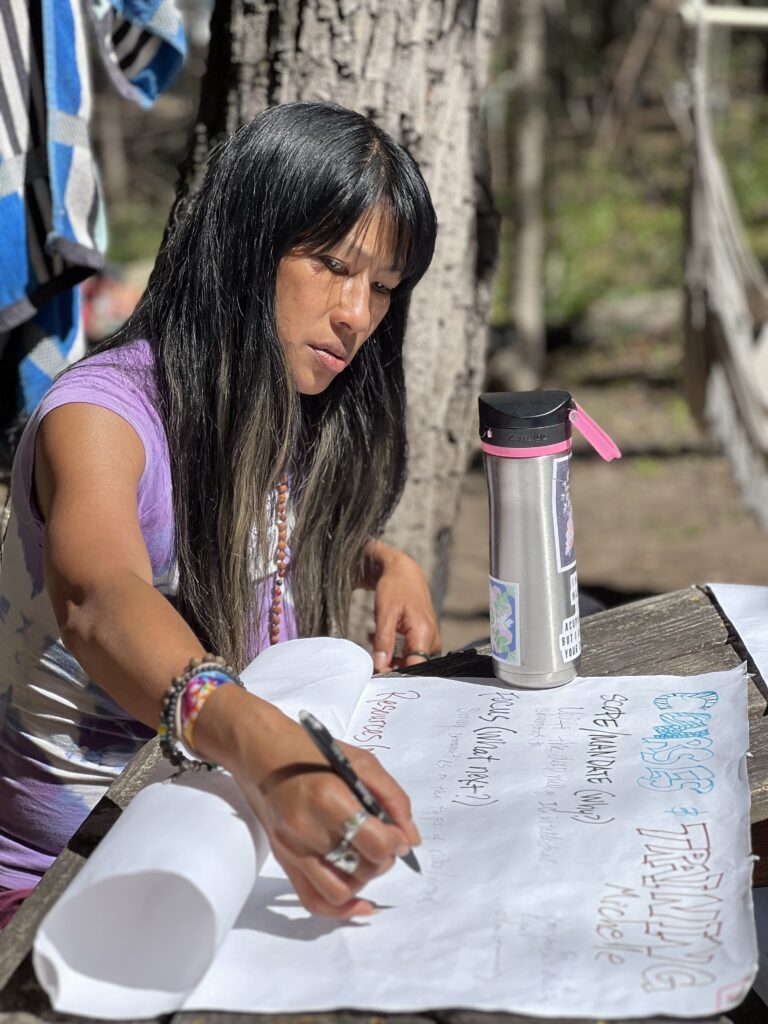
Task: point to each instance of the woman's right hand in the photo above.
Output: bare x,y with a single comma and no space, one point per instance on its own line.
303,805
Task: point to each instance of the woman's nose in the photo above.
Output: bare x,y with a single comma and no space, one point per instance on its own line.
353,309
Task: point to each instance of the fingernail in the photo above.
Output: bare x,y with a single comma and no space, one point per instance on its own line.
380,660
403,850
375,908
368,911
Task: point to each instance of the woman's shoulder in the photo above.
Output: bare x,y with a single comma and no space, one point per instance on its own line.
121,380
130,365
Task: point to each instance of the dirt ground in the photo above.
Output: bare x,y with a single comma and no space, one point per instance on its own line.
665,516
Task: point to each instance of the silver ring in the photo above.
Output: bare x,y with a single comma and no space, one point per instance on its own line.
420,654
353,824
344,858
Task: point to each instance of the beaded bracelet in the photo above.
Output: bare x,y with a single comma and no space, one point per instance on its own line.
182,703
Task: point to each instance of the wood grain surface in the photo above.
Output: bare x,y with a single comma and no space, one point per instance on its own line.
674,634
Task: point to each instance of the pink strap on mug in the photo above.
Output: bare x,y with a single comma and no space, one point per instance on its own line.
597,437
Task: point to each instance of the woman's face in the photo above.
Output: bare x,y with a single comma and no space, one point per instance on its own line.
328,304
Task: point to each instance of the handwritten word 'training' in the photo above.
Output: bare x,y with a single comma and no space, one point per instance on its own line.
672,924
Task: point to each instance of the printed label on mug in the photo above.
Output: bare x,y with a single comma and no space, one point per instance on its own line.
570,638
505,621
562,514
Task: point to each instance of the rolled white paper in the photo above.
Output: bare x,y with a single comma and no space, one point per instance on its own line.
322,674
140,924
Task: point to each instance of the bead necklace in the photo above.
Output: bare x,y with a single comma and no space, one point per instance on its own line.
281,560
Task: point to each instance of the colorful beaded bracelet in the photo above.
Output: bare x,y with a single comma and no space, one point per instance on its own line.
182,703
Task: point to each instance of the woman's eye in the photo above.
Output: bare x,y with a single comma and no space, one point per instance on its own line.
381,288
334,265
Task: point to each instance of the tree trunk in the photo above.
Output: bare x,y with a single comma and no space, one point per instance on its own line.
419,68
528,291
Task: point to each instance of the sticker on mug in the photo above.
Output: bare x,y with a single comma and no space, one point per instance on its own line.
562,514
570,638
574,588
505,621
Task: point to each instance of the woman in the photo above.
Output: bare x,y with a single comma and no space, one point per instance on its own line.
214,478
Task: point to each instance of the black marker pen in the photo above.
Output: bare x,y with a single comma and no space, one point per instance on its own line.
339,763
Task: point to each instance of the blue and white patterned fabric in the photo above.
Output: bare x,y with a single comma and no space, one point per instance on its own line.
142,44
52,228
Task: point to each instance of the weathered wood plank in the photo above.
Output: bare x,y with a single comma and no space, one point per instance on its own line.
673,634
435,1017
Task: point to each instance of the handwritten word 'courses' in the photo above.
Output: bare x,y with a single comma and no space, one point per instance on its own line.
680,742
672,925
488,738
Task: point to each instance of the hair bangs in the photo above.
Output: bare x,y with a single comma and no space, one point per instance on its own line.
386,180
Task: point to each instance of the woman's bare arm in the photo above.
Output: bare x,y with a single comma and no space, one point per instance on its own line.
131,641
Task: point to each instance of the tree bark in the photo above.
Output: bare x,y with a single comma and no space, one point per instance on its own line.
528,291
419,68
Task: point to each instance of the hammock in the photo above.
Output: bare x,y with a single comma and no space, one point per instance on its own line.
726,345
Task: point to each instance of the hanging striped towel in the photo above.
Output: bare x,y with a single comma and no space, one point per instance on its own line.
52,228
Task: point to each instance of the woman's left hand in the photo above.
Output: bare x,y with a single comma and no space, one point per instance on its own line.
403,606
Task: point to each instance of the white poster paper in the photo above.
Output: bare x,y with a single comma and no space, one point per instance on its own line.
585,854
746,607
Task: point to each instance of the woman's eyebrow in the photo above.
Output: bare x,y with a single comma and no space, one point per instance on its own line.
353,249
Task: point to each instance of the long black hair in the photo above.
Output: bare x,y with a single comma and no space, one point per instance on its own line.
299,177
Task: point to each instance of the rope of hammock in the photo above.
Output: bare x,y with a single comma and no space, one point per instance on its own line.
727,305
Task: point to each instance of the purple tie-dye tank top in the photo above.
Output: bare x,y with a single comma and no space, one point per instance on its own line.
63,739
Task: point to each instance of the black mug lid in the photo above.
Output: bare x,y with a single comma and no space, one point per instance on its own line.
525,418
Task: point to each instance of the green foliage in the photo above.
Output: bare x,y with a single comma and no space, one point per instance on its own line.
646,467
609,233
135,231
607,237
615,226
615,223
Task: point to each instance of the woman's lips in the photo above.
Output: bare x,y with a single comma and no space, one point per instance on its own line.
328,359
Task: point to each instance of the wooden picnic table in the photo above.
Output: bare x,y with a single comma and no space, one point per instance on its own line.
675,634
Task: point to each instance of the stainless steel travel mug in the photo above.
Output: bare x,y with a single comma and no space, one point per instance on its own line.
534,608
